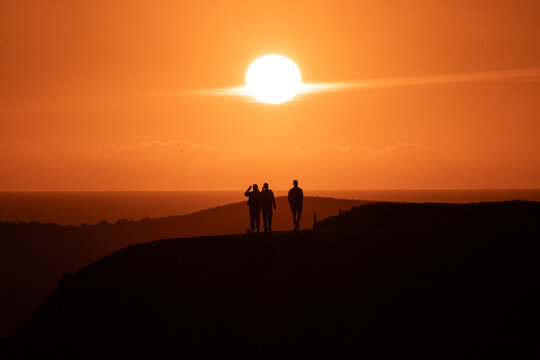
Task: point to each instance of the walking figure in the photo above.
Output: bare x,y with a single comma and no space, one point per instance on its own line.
254,204
268,201
296,201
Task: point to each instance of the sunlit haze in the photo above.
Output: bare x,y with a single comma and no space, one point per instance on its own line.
117,95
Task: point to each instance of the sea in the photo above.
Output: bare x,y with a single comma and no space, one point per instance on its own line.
92,207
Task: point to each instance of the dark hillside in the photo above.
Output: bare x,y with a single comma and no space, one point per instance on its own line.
34,256
382,281
429,217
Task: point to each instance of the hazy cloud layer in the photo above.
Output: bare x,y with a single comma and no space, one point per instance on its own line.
185,164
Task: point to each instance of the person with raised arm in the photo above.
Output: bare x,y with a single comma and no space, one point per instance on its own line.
254,203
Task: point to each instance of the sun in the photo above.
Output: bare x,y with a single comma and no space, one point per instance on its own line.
273,79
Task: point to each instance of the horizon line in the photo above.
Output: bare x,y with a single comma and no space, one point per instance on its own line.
281,189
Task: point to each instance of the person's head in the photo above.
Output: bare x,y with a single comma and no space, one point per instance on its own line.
255,187
265,186
295,183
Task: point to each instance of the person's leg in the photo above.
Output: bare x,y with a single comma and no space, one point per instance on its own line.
293,217
258,218
270,214
265,219
299,210
252,219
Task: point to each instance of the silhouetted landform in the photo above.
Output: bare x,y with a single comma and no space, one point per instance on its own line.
34,256
422,217
383,281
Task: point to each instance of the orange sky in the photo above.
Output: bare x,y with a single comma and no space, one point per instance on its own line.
82,104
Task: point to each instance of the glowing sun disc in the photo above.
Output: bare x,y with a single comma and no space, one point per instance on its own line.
273,79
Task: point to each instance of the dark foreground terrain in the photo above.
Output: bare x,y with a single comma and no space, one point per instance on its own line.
35,256
383,281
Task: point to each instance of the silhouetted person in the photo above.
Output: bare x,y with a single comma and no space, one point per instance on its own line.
296,201
254,203
267,201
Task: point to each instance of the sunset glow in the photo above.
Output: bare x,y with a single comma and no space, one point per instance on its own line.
251,179
108,95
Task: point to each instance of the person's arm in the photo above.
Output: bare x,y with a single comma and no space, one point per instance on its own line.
289,197
301,196
247,191
273,199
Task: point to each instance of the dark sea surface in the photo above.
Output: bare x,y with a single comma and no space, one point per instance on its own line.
92,207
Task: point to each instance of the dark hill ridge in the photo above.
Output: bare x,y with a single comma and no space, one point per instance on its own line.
377,282
488,216
34,256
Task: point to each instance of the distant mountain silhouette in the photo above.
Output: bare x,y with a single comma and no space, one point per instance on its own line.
381,281
34,256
